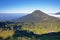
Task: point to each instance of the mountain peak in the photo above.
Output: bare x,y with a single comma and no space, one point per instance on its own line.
37,16
37,11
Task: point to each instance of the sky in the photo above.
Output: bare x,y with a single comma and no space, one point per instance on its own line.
28,6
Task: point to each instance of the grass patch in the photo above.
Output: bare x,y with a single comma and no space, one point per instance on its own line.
6,33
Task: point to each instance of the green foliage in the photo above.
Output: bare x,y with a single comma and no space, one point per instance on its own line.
42,27
30,27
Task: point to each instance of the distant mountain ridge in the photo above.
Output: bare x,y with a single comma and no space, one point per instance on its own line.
10,16
57,13
37,16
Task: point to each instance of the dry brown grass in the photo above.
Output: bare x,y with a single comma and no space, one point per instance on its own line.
6,33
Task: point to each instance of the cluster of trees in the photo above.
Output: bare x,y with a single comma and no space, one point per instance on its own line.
25,35
10,26
31,31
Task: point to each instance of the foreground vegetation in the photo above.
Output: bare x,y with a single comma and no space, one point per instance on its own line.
25,35
30,31
42,27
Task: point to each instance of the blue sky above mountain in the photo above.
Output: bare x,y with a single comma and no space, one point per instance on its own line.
27,6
